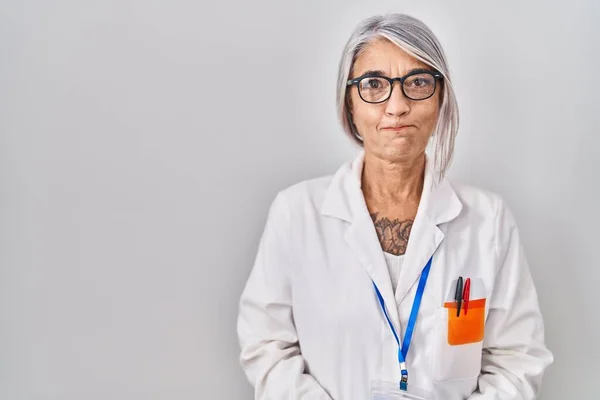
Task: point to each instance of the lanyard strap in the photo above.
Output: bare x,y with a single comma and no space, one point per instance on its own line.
403,351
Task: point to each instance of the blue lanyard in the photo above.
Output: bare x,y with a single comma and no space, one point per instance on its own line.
403,351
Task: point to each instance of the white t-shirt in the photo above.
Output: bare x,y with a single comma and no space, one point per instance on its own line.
394,263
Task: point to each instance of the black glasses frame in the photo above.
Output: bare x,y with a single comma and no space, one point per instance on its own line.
436,75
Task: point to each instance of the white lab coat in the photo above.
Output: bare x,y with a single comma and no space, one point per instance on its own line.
310,325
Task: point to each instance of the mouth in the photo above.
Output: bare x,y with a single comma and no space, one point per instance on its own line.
397,128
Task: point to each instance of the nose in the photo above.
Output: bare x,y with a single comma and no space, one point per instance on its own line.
397,104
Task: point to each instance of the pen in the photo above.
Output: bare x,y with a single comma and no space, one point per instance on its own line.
458,294
467,294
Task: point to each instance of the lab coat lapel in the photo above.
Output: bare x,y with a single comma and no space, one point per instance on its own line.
425,237
439,204
345,200
362,239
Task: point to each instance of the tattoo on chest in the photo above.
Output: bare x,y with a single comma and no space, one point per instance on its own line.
393,235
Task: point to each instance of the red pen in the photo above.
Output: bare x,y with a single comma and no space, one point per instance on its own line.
467,294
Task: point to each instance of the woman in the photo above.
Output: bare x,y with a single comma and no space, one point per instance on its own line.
345,260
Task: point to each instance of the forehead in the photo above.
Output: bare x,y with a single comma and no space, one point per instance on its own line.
383,55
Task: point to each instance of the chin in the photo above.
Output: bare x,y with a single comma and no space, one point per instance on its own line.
399,147
397,154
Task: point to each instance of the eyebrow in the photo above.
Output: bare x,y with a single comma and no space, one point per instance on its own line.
378,72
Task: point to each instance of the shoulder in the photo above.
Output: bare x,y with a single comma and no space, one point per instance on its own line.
476,197
304,200
484,203
304,195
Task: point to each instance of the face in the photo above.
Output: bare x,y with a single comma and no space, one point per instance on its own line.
398,129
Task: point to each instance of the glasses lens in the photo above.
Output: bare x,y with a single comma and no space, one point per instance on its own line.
374,89
420,86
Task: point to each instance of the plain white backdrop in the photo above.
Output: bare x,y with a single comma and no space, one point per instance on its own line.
141,143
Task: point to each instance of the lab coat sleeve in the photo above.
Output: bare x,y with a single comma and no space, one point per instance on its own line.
514,354
270,353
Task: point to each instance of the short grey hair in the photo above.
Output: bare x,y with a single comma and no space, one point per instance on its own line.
415,38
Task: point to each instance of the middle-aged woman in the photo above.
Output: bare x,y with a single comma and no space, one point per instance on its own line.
350,264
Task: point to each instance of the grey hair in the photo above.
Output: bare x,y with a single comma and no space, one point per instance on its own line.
415,38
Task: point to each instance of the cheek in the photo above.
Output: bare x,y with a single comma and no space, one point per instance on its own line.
429,116
365,116
433,118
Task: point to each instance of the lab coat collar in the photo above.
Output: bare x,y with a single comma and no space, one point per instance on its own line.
439,204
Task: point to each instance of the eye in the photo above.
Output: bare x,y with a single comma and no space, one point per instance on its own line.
374,89
373,84
420,81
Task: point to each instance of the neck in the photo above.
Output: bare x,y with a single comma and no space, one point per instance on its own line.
387,181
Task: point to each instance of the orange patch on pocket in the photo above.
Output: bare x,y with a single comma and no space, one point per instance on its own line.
468,328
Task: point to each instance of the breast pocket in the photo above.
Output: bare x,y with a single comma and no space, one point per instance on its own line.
458,339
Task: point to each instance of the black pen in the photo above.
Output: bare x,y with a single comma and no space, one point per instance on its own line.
458,295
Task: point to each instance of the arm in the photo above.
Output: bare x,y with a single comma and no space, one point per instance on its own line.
270,353
514,354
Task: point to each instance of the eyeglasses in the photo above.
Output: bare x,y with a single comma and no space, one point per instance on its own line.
374,88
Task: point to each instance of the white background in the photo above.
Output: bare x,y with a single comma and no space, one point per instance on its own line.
141,143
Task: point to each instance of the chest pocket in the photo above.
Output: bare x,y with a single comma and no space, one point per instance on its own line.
458,339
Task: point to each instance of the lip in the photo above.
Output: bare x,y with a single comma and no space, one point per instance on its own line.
397,128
